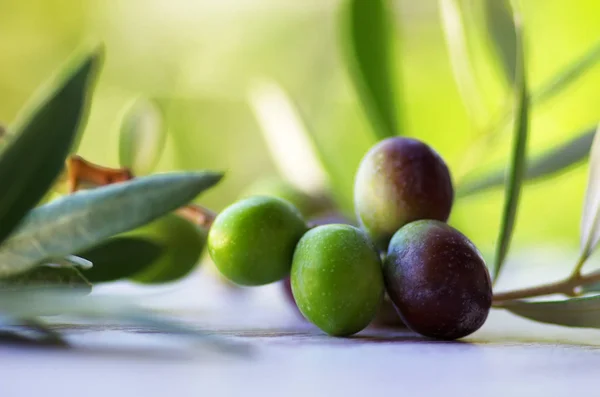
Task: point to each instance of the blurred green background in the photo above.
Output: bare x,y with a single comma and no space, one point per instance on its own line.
200,57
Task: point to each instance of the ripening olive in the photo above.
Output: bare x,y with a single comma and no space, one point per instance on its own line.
398,181
336,279
252,241
438,280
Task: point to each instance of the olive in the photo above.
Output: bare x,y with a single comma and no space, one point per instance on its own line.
437,280
336,278
252,241
398,181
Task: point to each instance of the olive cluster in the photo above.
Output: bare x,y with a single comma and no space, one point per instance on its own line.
435,277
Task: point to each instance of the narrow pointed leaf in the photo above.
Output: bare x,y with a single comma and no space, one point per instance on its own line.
574,312
35,157
544,165
142,137
120,257
517,163
285,133
590,219
45,276
80,221
452,13
367,43
31,303
501,30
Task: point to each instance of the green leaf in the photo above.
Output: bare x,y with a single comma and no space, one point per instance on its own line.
574,312
31,303
44,276
367,44
546,164
290,144
500,25
590,219
142,138
567,76
453,14
35,157
182,242
517,162
79,221
120,257
75,261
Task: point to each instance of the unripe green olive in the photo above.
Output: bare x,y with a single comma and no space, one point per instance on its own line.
400,180
336,279
252,241
438,280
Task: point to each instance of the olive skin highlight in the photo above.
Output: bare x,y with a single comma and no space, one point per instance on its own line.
438,281
336,278
252,241
398,181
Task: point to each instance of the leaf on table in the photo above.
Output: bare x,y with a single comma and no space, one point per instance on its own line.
544,165
501,30
49,275
81,220
35,302
590,219
453,14
290,144
574,312
32,332
367,35
142,136
43,138
120,257
517,163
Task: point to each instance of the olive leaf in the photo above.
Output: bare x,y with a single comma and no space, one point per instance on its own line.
290,144
502,32
590,219
79,221
29,332
574,312
142,136
367,43
546,164
47,275
517,163
33,159
453,14
182,245
120,257
30,303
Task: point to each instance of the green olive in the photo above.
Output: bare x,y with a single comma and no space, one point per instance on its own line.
252,241
337,280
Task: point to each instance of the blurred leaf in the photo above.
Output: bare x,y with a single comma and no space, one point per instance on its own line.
32,161
79,221
72,260
142,138
517,163
575,312
501,29
13,330
567,76
290,144
182,245
43,276
367,43
452,13
31,303
551,162
120,257
590,219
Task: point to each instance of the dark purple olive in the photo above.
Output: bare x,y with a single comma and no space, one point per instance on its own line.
400,180
438,280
